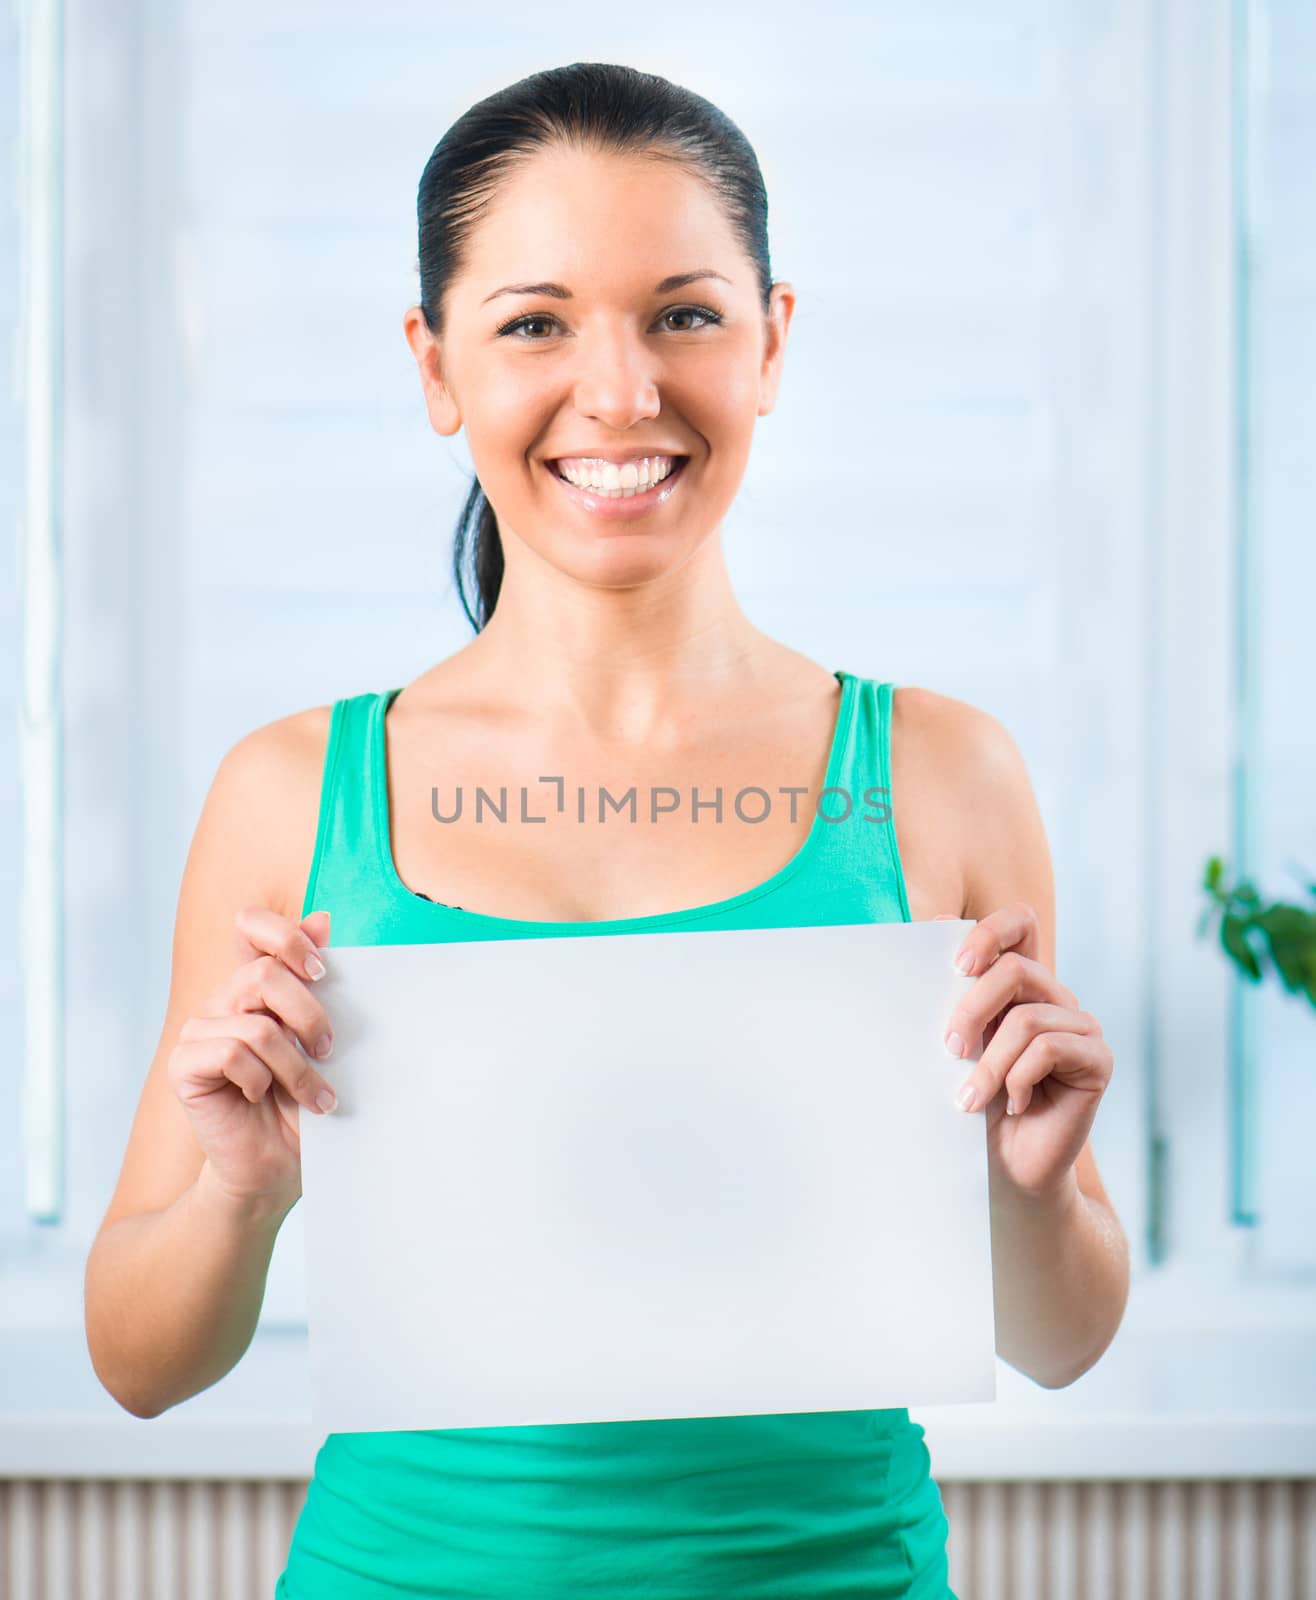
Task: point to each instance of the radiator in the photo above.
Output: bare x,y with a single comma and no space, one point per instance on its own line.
147,1540
1130,1540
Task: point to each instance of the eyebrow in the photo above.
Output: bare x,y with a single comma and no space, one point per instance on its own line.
558,292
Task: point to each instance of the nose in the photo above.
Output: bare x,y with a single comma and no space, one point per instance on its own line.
619,380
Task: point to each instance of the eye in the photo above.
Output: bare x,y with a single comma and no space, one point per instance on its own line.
518,323
711,319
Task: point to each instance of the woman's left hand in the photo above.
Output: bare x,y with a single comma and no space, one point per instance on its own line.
1044,1065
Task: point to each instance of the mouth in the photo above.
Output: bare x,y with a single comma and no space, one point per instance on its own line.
625,503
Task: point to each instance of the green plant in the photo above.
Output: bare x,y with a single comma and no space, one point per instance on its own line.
1288,933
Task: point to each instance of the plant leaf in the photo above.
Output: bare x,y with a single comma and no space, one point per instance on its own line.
1291,932
1233,937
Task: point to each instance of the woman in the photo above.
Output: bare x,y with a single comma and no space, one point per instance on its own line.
609,412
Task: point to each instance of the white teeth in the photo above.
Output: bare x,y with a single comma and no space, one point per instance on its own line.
620,483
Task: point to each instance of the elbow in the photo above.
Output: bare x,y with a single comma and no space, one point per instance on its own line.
1057,1377
144,1413
135,1405
139,1406
1063,1377
1061,1380
1117,1303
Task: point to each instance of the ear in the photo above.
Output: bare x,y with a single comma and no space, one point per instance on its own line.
445,418
780,310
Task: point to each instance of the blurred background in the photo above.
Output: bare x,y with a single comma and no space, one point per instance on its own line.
1044,443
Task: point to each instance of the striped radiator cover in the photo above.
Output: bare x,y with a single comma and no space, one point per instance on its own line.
144,1540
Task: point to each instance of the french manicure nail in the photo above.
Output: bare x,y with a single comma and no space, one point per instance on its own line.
314,967
955,1044
326,1100
964,1100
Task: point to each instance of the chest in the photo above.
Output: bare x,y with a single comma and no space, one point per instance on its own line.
583,833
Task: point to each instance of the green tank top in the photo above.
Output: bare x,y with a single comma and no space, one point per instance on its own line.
799,1504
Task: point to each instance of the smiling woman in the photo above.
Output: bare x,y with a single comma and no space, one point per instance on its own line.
611,370
610,415
597,312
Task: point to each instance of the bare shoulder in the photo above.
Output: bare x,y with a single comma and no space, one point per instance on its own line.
942,725
974,765
254,836
272,778
968,805
969,750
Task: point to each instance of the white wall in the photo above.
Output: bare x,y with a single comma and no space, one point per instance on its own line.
1278,1058
11,461
983,474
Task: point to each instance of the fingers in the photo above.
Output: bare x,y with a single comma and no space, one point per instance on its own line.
1084,1062
279,955
265,984
1011,979
251,1050
260,931
1013,927
316,925
1030,1042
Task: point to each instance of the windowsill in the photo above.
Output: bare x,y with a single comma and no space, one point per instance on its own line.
1188,1389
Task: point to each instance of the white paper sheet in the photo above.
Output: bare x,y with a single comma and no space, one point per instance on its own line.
675,1174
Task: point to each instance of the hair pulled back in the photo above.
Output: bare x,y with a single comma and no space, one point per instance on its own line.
593,106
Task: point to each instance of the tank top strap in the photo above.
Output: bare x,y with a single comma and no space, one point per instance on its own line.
344,866
861,843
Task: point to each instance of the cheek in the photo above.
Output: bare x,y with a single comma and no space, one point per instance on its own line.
730,398
717,398
502,420
505,398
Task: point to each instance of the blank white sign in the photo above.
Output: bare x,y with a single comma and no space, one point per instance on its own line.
616,1177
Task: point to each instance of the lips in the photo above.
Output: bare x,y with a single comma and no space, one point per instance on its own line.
622,508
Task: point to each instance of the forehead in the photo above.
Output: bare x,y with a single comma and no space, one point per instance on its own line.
593,221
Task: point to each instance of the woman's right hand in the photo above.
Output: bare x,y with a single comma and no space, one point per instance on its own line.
238,1070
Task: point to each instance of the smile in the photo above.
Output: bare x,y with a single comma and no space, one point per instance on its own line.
602,503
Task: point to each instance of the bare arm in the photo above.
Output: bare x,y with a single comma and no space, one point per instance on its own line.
1061,1270
175,1277
173,1296
1060,1262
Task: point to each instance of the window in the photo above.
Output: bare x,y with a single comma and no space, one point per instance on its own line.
1013,399
1273,1034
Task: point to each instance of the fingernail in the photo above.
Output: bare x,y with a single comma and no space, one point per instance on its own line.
325,1046
964,962
955,1044
967,1095
314,967
1009,1107
327,1100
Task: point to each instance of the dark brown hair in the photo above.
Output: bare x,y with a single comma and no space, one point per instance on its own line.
593,106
